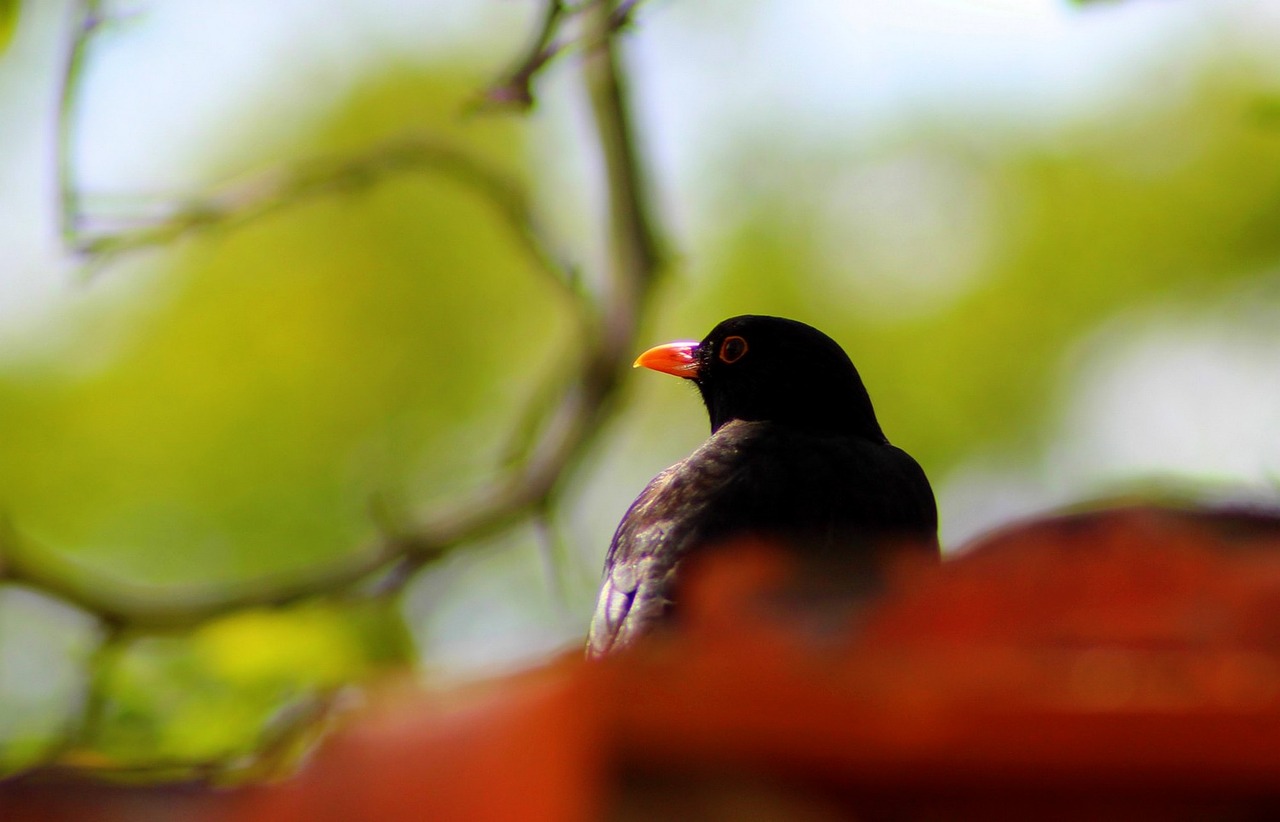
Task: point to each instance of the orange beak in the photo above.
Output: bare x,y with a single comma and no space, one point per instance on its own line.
673,358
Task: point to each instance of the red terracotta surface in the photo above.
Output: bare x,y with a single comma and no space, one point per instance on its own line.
522,748
1121,664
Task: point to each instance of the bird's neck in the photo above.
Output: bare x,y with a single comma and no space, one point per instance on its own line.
834,420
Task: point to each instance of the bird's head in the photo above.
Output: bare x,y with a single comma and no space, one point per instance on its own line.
769,368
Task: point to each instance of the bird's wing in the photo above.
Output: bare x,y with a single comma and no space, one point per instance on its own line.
656,532
633,596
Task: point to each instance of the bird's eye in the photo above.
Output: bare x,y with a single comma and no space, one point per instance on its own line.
732,350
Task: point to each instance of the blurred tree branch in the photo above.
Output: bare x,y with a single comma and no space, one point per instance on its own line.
515,87
86,20
239,203
527,485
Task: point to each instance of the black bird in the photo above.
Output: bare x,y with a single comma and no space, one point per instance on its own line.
795,455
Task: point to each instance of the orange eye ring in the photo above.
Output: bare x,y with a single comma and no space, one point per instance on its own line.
732,349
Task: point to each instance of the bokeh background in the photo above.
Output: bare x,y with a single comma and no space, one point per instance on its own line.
1048,233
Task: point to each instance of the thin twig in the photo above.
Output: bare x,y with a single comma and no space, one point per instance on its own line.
120,604
264,194
516,86
623,15
509,498
635,254
284,744
288,738
87,18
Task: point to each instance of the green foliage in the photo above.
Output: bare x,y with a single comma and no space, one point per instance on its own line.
215,695
1146,205
9,10
345,356
277,394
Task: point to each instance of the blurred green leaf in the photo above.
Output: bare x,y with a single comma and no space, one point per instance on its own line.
279,381
213,696
1265,111
1146,205
8,22
263,646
